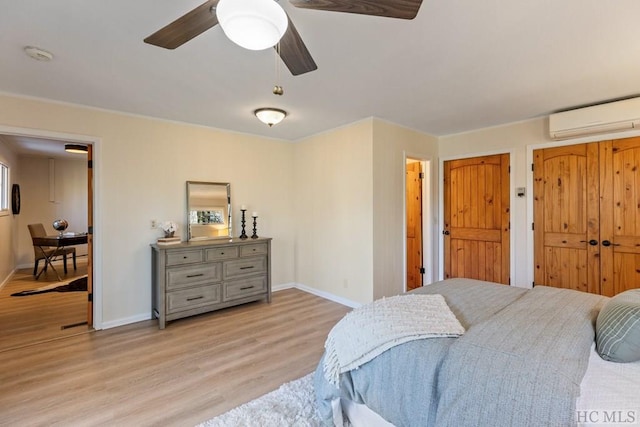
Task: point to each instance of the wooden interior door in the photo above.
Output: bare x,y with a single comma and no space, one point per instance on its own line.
90,236
620,215
414,225
476,218
566,191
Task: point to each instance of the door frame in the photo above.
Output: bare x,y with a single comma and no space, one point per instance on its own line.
96,144
512,192
428,261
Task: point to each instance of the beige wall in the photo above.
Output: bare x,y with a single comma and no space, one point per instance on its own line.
8,227
315,198
333,202
391,145
350,208
70,200
334,212
141,167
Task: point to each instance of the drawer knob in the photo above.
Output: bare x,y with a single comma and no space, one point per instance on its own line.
221,253
246,287
189,276
195,298
246,268
184,257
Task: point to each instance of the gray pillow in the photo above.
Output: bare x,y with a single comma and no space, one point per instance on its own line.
618,328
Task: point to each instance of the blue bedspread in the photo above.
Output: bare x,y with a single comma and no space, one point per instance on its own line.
519,363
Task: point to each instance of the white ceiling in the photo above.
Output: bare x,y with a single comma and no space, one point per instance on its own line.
460,65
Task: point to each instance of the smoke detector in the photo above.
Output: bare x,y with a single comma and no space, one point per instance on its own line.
38,54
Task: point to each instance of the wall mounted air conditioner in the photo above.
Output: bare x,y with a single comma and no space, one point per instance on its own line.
604,118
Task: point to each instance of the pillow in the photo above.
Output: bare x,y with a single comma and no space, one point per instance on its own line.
618,328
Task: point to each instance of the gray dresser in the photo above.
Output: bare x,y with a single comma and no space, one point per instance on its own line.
196,277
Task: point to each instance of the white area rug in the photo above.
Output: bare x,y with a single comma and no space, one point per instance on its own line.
291,405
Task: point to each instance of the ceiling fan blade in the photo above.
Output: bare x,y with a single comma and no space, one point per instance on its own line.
403,9
294,53
186,27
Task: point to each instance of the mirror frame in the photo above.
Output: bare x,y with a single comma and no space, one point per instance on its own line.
227,187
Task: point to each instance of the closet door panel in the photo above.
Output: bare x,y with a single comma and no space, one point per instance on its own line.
566,182
620,215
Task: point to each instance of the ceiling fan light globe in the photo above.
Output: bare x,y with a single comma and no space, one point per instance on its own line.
252,24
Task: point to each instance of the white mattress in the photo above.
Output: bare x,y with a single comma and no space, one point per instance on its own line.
609,396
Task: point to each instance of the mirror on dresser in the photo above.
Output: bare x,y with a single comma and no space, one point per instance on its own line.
208,210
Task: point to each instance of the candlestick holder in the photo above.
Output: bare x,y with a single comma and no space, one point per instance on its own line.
243,235
255,228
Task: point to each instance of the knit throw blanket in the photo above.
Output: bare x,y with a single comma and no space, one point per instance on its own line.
374,328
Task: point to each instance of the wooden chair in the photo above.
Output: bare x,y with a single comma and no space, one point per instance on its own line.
37,230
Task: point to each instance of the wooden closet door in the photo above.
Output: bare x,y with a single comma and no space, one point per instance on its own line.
476,218
620,215
566,240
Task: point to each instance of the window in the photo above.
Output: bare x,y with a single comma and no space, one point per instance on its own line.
4,189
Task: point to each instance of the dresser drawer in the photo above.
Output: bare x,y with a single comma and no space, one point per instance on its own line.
187,299
243,267
250,250
182,277
184,257
222,253
242,288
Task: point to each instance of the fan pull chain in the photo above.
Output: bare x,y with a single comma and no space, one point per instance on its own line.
277,89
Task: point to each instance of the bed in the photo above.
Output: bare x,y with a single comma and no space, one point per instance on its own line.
527,357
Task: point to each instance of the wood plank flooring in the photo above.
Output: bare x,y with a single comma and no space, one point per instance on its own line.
43,317
195,369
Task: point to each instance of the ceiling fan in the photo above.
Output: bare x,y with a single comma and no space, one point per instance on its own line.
291,49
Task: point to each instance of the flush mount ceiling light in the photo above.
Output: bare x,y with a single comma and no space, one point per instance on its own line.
38,54
270,116
75,148
252,24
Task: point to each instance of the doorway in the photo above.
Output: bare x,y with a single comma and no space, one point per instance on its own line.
415,260
417,234
50,317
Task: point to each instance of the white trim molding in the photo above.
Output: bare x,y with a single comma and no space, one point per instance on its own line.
322,294
126,321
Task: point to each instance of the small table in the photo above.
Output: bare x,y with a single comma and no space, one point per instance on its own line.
59,242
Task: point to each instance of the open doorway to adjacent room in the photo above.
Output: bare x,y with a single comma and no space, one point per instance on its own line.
54,184
417,219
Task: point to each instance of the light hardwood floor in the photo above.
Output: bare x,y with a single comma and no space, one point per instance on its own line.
43,317
138,375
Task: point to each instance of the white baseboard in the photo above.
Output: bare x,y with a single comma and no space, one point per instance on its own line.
317,292
125,321
283,286
276,288
8,278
